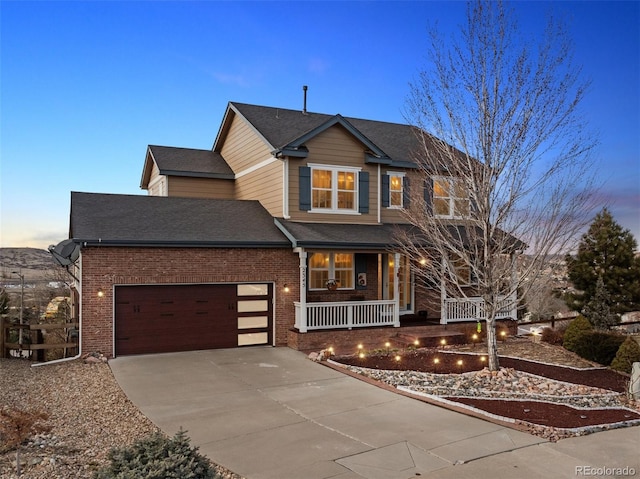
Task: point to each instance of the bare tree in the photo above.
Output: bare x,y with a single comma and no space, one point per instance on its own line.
506,167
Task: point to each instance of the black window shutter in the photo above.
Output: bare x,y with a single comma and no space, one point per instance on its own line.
406,192
428,195
384,185
363,192
304,174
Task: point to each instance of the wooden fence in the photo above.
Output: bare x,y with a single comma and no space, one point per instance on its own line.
30,331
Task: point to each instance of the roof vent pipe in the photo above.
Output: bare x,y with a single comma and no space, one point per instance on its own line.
304,107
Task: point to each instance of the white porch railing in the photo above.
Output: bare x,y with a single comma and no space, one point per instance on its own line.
470,309
346,315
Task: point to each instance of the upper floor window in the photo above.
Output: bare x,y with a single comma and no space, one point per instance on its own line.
325,266
334,189
395,190
450,198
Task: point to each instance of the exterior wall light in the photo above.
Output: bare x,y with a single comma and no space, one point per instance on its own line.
100,293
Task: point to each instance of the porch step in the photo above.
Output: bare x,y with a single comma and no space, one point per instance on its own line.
428,339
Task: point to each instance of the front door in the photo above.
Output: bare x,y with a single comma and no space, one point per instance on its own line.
404,280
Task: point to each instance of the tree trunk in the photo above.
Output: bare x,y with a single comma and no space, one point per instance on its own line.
492,345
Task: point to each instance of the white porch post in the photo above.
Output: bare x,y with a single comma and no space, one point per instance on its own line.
443,296
302,327
396,290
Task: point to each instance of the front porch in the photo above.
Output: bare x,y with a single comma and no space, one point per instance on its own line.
363,314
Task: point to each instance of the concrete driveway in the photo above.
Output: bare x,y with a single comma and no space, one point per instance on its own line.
271,413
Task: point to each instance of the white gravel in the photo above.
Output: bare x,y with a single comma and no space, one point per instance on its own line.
87,412
506,383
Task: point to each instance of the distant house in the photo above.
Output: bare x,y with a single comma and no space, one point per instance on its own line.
283,229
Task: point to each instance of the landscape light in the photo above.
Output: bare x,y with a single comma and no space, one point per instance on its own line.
398,358
443,342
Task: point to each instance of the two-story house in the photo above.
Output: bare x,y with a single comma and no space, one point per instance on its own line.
282,234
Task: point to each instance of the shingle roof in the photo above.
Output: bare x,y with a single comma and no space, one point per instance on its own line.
110,219
189,161
280,127
334,235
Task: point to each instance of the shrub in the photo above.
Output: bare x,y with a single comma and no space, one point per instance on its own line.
158,457
628,353
577,328
552,336
598,346
16,426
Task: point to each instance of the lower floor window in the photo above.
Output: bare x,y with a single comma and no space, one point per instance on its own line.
325,266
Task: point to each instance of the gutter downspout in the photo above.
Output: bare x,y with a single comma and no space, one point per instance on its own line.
77,356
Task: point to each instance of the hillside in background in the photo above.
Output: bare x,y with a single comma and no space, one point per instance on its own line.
33,263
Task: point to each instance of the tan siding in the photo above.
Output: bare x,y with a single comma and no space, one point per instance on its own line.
154,180
264,185
201,188
243,148
336,146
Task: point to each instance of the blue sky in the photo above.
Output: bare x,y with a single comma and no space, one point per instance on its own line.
86,86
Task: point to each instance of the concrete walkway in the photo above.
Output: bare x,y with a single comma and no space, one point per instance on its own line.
271,413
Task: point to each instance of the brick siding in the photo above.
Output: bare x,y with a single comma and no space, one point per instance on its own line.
105,267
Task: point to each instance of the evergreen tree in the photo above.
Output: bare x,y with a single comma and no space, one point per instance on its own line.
606,250
598,309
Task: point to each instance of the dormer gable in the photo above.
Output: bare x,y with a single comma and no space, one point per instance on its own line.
184,162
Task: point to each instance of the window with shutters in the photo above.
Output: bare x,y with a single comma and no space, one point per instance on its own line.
450,198
396,190
334,189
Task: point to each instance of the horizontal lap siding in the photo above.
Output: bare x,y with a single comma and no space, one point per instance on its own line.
264,185
201,188
104,267
243,148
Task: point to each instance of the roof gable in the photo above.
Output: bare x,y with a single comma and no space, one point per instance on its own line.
285,132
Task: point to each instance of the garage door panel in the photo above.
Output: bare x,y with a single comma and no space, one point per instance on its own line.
165,318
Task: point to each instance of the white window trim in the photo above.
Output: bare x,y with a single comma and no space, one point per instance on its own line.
401,174
452,198
334,188
332,269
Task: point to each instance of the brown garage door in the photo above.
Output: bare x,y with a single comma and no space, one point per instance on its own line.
167,318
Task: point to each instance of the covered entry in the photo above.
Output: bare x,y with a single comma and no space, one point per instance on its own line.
168,318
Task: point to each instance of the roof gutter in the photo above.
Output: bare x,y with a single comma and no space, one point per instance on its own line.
182,244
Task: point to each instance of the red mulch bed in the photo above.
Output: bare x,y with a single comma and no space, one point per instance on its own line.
535,412
548,414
